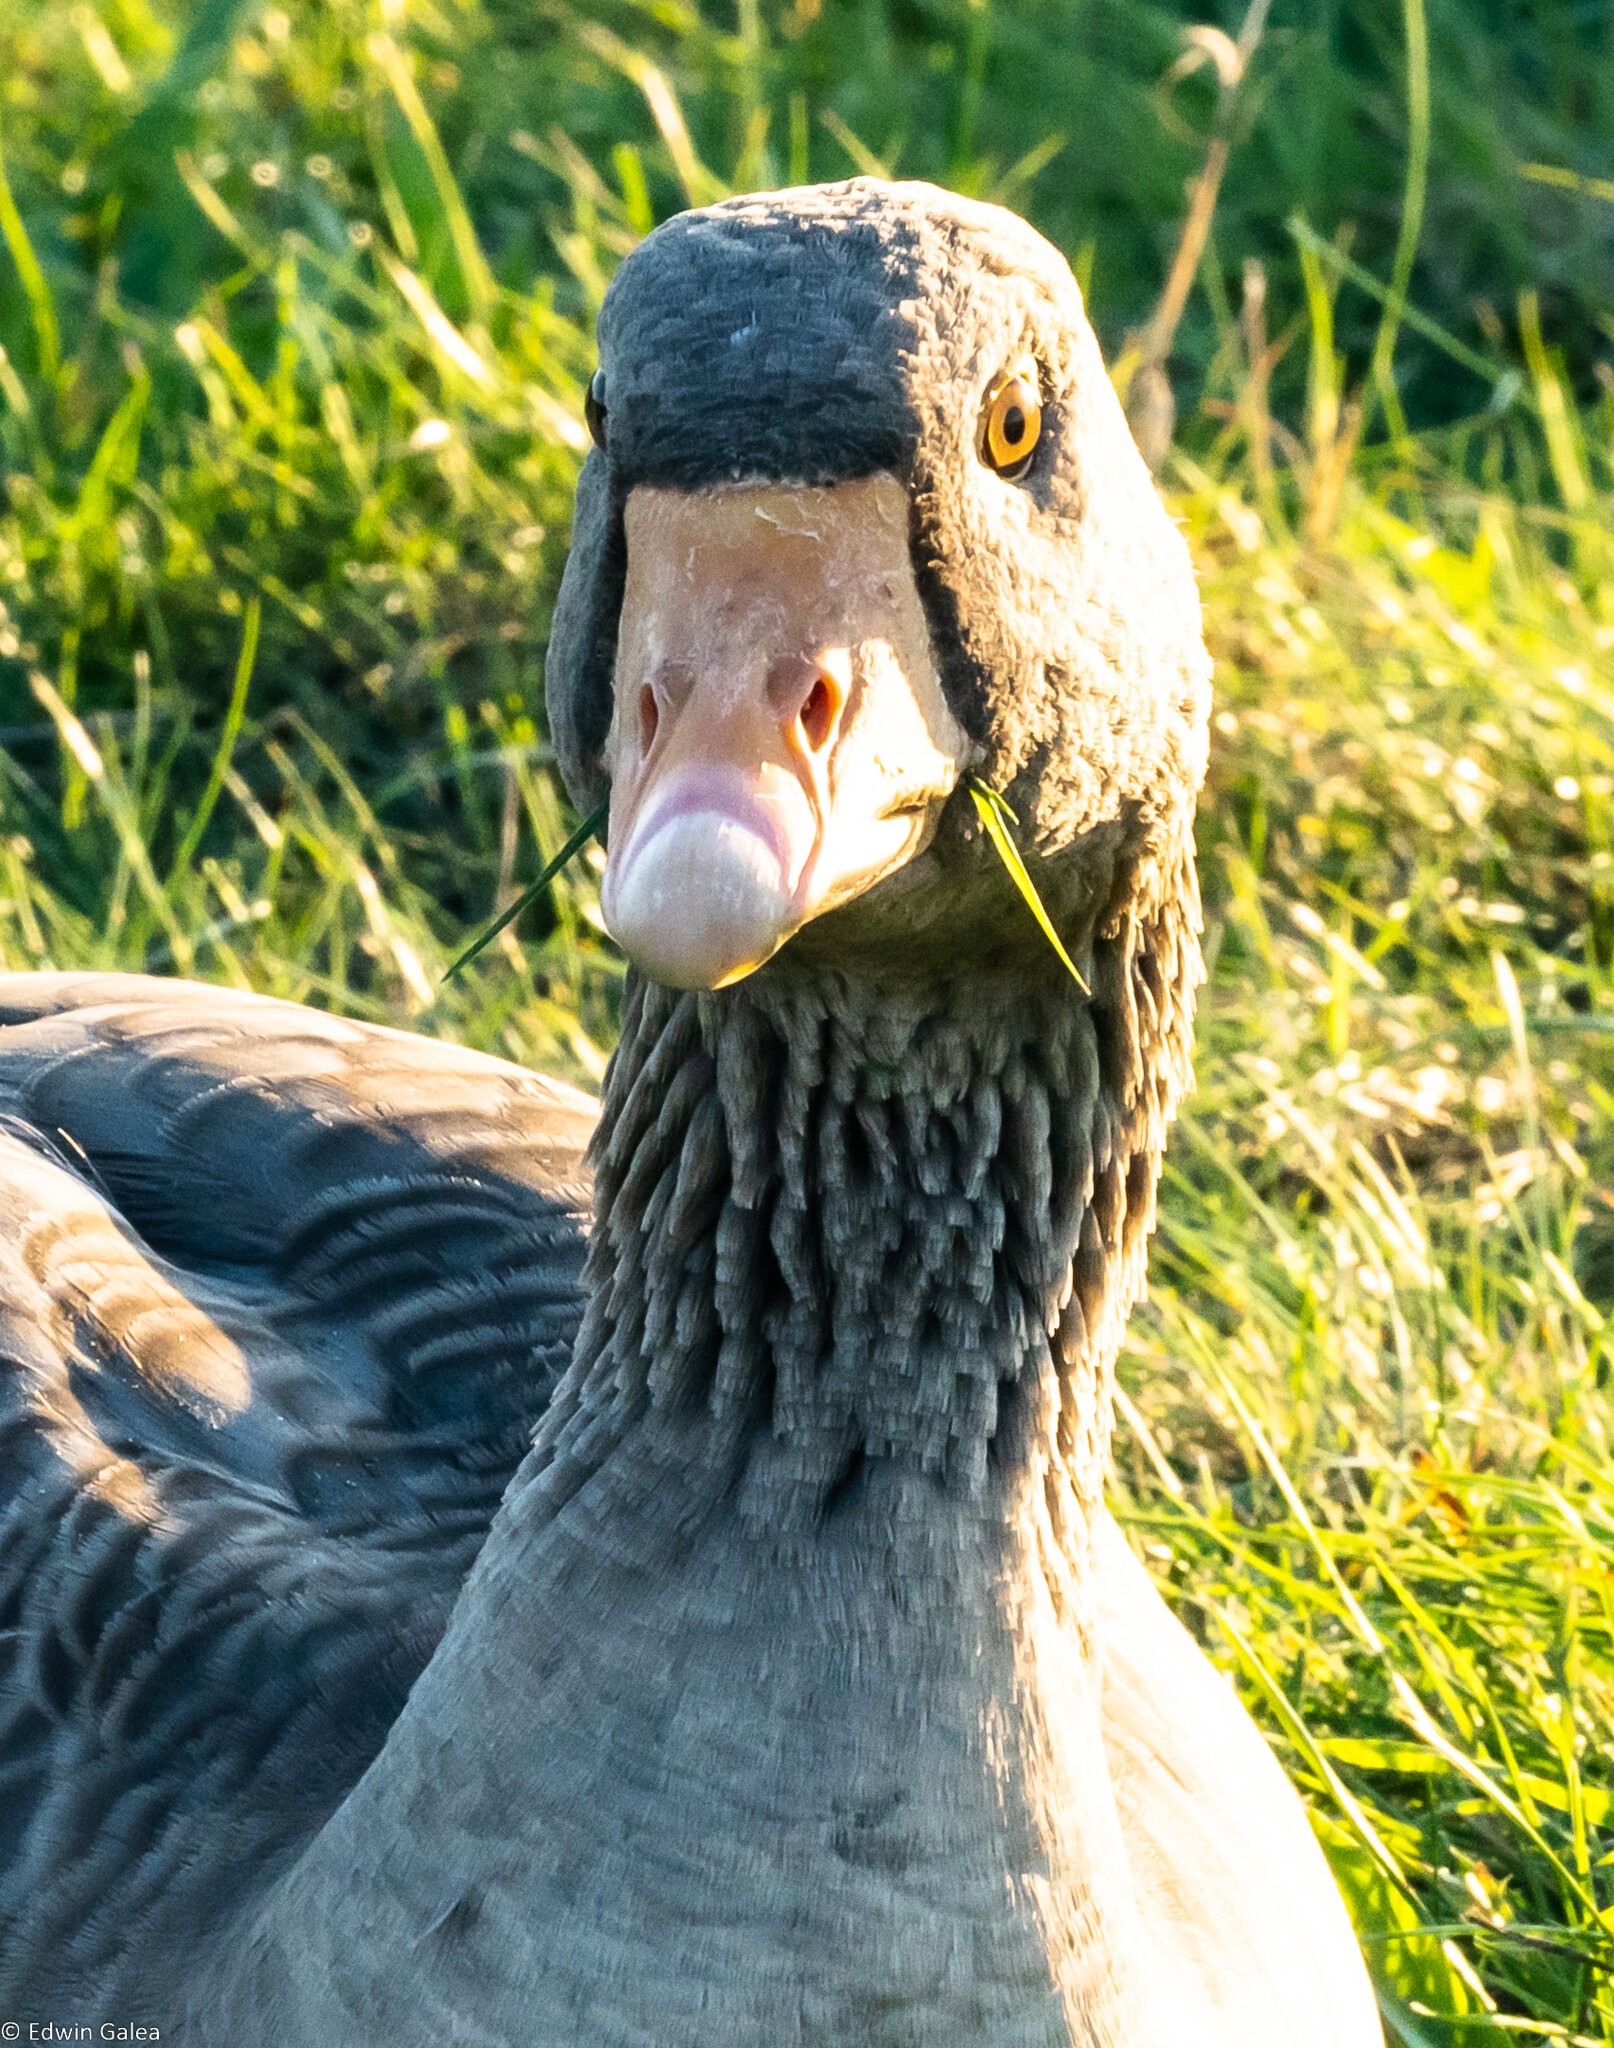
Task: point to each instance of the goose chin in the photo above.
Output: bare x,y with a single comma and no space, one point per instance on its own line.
701,899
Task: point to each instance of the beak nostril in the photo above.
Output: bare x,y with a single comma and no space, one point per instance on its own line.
818,713
649,718
808,696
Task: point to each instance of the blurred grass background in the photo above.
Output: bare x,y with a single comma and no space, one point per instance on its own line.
296,310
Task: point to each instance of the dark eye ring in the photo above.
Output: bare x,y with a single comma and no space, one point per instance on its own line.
594,408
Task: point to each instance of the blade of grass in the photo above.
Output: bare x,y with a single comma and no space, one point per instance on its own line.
36,290
996,816
1569,181
391,61
1414,193
574,846
76,739
447,341
227,740
1501,375
1232,62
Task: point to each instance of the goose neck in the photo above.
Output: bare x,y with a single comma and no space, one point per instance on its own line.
840,1228
784,1642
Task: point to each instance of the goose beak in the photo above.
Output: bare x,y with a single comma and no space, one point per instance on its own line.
780,741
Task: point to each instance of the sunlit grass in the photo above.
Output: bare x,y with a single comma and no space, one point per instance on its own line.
1368,1442
275,571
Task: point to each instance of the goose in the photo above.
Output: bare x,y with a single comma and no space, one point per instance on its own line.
480,1566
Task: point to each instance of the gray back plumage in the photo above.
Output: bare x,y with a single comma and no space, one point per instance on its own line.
281,1300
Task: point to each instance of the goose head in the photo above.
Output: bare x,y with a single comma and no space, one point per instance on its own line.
863,524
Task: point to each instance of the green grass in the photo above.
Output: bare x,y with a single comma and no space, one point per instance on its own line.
296,313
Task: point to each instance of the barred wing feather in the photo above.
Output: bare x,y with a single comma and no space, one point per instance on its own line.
282,1298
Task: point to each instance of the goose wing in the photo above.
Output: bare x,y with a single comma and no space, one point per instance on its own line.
281,1299
1243,1922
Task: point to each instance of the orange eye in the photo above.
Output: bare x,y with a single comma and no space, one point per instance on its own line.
1011,425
